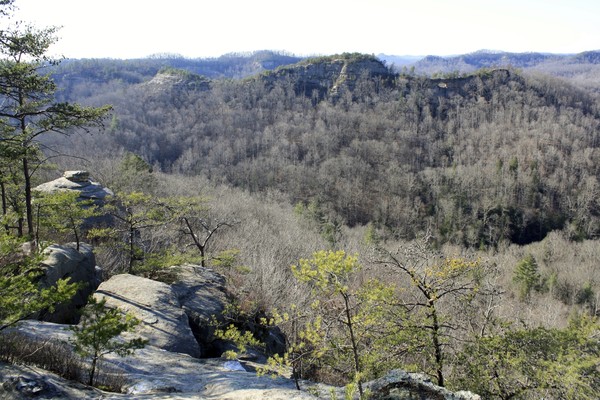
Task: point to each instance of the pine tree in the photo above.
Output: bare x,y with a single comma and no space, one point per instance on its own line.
29,110
98,331
527,276
21,296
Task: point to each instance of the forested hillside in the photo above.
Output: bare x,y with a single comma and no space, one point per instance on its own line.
330,220
361,219
496,156
81,78
581,69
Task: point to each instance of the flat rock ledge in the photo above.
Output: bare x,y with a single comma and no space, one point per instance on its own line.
153,373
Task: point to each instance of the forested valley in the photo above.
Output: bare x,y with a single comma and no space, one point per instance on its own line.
480,160
443,225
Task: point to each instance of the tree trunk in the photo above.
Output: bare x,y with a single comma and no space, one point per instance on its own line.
93,370
437,346
357,366
131,249
28,206
4,204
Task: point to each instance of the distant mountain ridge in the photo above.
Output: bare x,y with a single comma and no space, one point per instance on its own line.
487,59
582,69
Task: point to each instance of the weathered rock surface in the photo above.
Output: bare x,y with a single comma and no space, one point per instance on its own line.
398,384
168,367
163,322
202,295
64,261
330,75
152,373
79,181
176,81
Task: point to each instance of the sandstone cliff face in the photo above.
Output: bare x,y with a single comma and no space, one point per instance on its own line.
330,75
78,181
176,81
163,322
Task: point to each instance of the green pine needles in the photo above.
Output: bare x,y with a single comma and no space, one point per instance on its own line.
98,334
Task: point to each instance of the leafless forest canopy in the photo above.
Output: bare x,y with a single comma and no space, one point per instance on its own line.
491,157
472,193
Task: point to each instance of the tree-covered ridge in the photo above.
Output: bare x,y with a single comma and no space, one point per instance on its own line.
581,69
424,181
491,157
95,73
349,57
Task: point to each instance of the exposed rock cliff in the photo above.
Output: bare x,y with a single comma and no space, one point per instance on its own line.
158,374
163,322
79,181
176,80
330,75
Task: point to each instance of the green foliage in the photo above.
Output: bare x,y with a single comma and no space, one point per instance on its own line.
240,339
29,109
534,363
372,237
329,227
134,174
327,271
352,57
158,265
242,328
439,288
352,326
21,296
98,331
226,262
587,297
527,276
62,212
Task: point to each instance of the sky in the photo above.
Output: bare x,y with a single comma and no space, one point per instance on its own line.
200,29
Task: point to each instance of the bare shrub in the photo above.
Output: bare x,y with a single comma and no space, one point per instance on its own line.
58,357
52,355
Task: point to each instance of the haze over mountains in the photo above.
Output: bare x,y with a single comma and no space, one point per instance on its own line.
582,69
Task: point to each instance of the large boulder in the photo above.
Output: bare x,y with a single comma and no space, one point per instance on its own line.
399,384
163,322
87,190
147,373
78,181
202,295
65,261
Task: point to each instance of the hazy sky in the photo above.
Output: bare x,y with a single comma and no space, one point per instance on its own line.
199,28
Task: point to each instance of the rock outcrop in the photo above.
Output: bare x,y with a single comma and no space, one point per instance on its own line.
79,181
65,261
202,296
175,81
330,75
398,384
176,321
163,321
153,373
